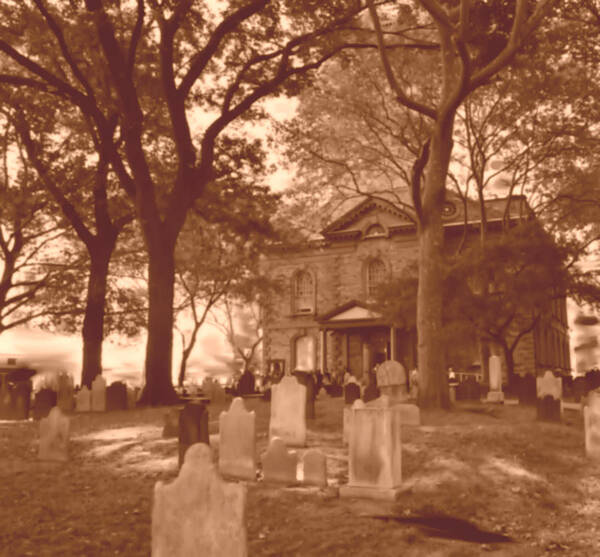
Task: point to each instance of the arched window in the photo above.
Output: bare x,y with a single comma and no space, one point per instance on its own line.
375,230
304,292
375,276
304,353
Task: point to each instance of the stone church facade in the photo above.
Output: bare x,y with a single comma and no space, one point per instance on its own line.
322,321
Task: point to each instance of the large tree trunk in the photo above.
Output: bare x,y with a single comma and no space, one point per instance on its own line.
93,321
158,388
433,381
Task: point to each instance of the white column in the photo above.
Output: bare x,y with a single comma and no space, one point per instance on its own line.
323,354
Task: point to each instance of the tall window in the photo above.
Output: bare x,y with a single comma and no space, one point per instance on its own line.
304,353
375,276
304,292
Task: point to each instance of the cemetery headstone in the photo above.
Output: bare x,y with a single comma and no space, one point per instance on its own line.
391,380
314,464
237,441
549,397
83,400
116,396
65,398
193,427
99,394
44,401
171,423
591,422
278,464
288,412
351,393
495,393
54,436
375,451
199,514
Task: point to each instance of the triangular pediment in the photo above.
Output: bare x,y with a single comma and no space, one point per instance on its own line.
357,220
351,311
355,313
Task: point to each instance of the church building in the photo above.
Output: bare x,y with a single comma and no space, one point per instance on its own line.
322,319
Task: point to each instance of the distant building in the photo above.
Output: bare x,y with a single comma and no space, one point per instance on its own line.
322,321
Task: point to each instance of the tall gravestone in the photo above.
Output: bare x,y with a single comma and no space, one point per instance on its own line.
375,450
391,380
99,394
199,514
288,412
83,400
549,397
591,422
495,393
193,427
116,396
237,441
278,464
54,436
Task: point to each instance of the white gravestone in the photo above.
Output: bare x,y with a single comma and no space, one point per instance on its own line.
54,436
391,380
288,412
99,394
279,464
495,393
83,400
237,441
199,514
549,385
591,422
375,451
314,468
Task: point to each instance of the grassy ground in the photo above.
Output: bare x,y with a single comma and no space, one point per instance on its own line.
495,466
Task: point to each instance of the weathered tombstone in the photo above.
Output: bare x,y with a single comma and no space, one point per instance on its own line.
351,393
44,401
193,427
288,412
591,422
237,441
65,399
54,436
99,394
278,464
171,423
549,397
314,464
375,451
391,380
116,396
199,514
526,389
308,381
83,400
495,393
